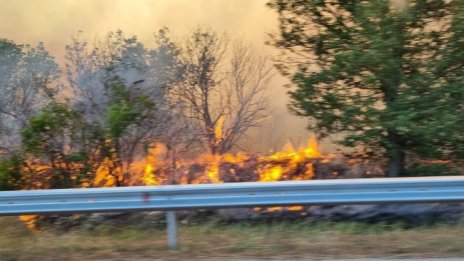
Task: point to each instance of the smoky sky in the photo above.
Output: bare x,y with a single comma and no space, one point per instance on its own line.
54,22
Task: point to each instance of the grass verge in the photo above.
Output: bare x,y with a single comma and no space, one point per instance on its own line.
210,240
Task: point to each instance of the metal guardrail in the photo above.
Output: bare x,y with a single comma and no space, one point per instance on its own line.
248,194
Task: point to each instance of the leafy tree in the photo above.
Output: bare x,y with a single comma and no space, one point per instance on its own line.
386,76
59,149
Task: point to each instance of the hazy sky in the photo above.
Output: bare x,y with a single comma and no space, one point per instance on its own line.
55,21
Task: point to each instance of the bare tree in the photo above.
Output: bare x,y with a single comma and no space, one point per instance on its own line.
84,74
246,101
223,88
27,82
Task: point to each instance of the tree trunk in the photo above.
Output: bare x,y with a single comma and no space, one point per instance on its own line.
396,155
396,164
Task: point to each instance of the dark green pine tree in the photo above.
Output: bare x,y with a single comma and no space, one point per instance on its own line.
388,76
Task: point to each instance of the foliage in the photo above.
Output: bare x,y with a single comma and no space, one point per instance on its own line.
420,170
386,76
54,149
45,131
125,110
10,177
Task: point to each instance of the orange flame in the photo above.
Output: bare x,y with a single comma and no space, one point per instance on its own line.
218,129
106,174
312,150
285,164
271,174
278,166
294,159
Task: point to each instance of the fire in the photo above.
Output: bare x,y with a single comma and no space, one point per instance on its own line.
107,174
287,164
212,167
272,174
30,222
154,156
218,129
294,159
156,168
312,150
148,176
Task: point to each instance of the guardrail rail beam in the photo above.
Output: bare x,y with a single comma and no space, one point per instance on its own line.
227,195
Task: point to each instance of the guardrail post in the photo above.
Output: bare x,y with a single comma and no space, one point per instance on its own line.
171,229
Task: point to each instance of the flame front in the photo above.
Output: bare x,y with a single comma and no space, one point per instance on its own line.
287,164
156,168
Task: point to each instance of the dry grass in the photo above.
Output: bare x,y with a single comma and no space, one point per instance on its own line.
278,240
